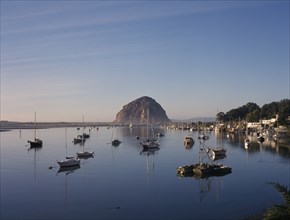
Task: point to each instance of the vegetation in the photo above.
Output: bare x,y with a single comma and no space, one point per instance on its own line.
253,113
279,211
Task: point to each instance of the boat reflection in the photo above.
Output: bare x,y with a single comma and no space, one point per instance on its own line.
268,145
35,149
68,170
149,151
85,157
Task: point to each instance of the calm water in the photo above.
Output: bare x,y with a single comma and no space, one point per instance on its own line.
121,183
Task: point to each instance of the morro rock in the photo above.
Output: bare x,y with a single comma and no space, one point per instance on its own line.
137,111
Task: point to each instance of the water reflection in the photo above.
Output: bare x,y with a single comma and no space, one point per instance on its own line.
85,157
149,152
253,145
34,149
117,173
67,171
209,185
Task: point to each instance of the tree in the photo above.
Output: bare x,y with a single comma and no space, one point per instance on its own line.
221,116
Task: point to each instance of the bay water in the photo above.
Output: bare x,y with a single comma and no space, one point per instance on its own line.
124,182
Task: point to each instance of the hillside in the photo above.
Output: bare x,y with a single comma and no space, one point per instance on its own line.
136,112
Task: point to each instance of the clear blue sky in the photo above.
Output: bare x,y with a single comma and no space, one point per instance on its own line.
67,59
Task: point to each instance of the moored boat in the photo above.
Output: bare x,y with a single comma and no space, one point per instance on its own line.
79,139
36,142
68,162
150,143
82,154
219,151
116,142
188,141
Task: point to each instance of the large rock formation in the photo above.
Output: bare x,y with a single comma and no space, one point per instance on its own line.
136,112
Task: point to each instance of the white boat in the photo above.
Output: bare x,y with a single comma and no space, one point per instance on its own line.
246,143
69,162
215,153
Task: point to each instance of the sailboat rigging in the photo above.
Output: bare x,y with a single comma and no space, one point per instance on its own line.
84,154
115,141
36,142
68,161
149,143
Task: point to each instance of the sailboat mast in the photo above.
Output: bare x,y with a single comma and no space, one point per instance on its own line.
147,123
83,133
34,125
65,141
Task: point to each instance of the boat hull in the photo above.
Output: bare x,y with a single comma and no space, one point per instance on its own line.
116,142
69,162
35,143
85,154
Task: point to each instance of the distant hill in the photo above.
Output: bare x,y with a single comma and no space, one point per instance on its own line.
136,112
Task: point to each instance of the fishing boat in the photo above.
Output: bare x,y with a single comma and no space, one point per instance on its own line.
186,170
204,169
36,142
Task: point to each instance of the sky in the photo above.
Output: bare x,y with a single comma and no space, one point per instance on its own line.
69,59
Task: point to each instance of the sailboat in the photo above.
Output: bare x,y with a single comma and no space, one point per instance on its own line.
188,140
68,161
84,153
36,142
149,143
115,141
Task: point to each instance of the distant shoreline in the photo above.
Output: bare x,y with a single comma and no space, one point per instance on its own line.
9,125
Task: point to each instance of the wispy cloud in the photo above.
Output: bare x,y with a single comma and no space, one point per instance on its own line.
57,19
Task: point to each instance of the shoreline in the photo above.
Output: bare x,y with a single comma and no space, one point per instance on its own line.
8,125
